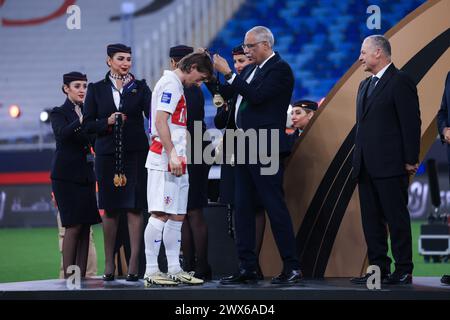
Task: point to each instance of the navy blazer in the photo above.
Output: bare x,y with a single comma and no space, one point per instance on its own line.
443,116
99,105
268,96
387,125
72,146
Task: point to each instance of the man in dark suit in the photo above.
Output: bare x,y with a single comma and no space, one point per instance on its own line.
386,152
264,92
443,123
224,119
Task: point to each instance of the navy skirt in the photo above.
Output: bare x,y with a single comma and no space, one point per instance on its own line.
77,203
133,196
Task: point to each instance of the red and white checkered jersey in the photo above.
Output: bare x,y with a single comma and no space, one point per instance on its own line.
168,96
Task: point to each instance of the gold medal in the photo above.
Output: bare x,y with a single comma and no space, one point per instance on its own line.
218,100
123,180
117,180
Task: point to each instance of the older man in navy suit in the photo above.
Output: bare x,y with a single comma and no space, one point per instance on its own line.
387,145
264,91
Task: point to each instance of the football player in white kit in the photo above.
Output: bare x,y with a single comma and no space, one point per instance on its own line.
168,186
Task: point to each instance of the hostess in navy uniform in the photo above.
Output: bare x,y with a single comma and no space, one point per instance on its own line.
72,174
306,105
135,99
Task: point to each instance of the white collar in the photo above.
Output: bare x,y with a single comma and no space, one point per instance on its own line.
264,62
381,72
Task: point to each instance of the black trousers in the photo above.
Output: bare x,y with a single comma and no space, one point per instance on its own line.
384,210
251,184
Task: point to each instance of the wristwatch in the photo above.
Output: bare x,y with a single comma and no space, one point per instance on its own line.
228,76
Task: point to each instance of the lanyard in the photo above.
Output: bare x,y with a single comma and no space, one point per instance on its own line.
120,179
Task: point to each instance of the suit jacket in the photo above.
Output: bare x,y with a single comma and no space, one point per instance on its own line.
72,146
443,116
268,96
387,125
99,105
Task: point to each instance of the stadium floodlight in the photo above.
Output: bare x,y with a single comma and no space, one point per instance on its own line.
14,111
44,116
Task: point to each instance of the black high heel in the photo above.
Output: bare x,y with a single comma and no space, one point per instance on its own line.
132,277
108,277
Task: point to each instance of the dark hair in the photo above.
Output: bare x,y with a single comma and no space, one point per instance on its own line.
176,59
68,86
201,60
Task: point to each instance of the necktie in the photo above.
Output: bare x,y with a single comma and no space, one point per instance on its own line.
78,111
258,70
373,81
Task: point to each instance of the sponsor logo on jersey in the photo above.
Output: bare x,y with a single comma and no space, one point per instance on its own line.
166,97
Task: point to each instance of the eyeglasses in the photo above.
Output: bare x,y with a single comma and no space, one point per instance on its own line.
250,45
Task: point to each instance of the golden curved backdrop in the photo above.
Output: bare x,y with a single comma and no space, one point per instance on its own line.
322,201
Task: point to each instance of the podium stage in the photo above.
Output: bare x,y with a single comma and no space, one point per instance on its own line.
424,288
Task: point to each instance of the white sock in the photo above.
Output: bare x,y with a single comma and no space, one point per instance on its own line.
152,238
172,243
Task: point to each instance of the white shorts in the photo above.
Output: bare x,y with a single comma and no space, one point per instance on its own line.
166,192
